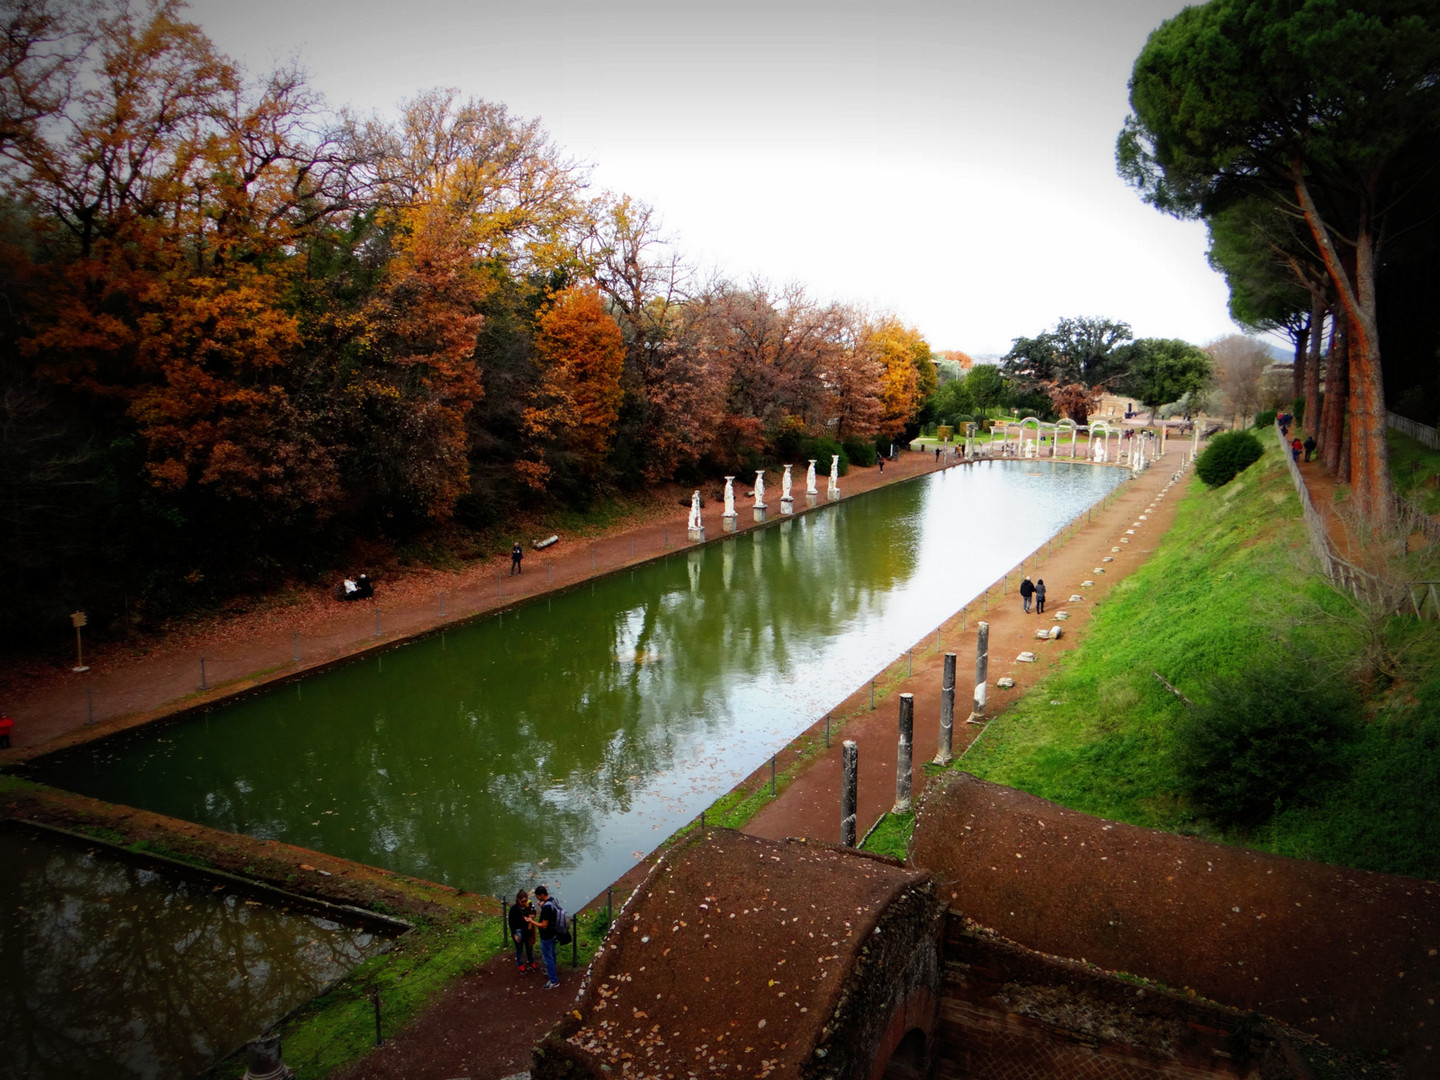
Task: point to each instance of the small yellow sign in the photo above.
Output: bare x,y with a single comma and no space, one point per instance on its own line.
77,619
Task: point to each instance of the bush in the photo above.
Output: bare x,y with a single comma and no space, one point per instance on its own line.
857,450
1227,455
1264,740
1266,419
821,450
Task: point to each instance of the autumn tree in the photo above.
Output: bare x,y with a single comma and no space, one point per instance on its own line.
570,422
1240,365
908,377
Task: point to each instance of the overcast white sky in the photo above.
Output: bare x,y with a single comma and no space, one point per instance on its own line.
952,162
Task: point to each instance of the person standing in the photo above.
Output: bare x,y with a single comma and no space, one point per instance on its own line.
522,933
545,924
1027,590
1040,596
6,727
880,459
516,554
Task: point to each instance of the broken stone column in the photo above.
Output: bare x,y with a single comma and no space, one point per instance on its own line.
982,667
947,712
850,764
903,757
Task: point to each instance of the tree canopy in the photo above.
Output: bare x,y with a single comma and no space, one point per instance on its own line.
1329,113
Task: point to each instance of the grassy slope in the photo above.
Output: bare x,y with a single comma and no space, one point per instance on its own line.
1230,584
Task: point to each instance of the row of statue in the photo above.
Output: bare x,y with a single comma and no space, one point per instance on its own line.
787,501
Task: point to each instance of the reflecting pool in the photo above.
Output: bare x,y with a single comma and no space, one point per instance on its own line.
562,741
113,969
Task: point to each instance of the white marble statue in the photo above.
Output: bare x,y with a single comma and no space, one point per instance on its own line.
785,484
834,473
730,496
810,479
760,488
695,511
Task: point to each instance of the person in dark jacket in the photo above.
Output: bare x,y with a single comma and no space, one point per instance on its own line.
516,554
1027,590
545,923
1040,597
522,933
1310,445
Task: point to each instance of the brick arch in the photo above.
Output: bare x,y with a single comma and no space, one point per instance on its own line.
907,1045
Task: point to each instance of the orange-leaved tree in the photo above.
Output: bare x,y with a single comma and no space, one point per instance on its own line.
570,422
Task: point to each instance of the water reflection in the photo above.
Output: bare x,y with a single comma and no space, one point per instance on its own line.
108,969
561,741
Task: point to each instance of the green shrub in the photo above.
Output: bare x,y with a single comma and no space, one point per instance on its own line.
821,450
1227,455
858,450
1266,419
1265,740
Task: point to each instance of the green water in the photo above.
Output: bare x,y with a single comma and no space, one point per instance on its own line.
109,969
563,741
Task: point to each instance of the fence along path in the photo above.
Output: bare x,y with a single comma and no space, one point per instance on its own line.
1419,598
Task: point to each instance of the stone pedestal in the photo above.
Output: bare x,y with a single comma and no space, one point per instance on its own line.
730,522
698,535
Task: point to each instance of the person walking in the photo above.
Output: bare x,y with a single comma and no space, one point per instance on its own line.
880,460
545,924
6,727
1310,445
1040,596
522,933
1027,590
516,554
1295,447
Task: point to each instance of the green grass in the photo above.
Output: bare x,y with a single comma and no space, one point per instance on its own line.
891,836
1231,585
1415,469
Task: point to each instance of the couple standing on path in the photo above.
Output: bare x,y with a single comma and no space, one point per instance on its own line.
523,927
1033,590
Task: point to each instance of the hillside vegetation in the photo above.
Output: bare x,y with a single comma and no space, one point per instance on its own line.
1273,663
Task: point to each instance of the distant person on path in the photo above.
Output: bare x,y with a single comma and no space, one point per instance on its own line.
6,727
937,455
1027,590
1295,447
516,554
1040,597
880,459
546,925
522,933
1310,445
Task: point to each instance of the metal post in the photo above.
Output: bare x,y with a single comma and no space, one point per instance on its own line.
982,667
89,705
377,621
872,695
547,571
909,663
610,891
442,603
850,766
947,712
202,674
827,731
772,776
903,766
297,646
504,930
499,586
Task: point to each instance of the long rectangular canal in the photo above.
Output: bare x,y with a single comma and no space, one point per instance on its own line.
561,742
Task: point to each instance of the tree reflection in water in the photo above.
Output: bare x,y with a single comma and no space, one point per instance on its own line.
110,969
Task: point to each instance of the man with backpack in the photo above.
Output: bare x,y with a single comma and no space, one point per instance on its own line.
551,924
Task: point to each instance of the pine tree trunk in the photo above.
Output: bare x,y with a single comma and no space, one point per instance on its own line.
1336,394
1313,420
